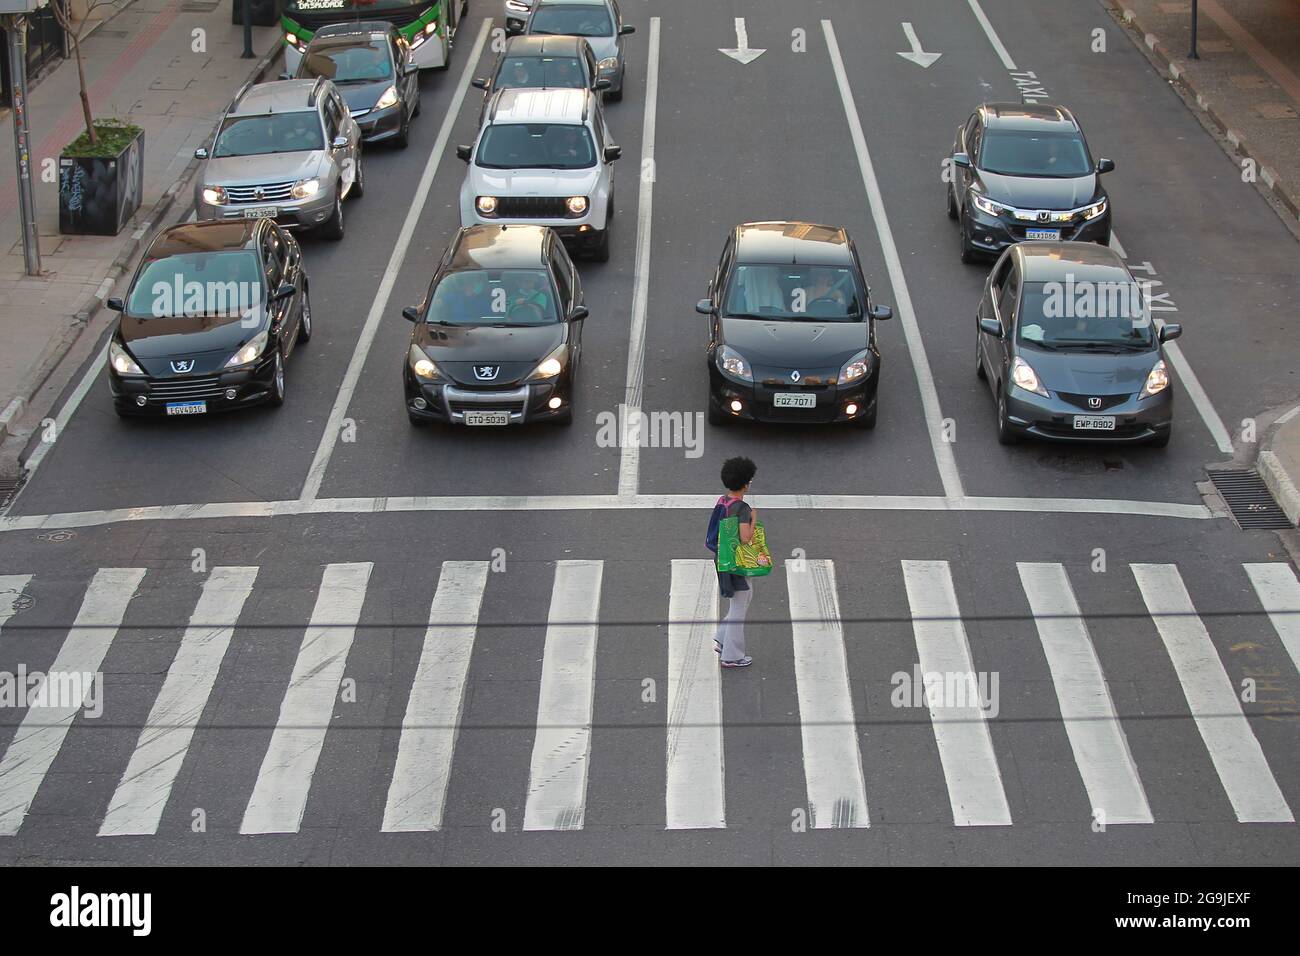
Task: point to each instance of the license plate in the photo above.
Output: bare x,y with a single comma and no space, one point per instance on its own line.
187,408
794,400
1094,423
1042,234
487,418
262,212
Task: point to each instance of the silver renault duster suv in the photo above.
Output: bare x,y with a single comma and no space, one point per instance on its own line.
288,151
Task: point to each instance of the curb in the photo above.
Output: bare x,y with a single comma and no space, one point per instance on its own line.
1279,482
76,323
1177,73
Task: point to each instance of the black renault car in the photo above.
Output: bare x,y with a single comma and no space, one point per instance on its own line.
1023,171
1069,349
498,337
370,63
792,330
541,63
210,317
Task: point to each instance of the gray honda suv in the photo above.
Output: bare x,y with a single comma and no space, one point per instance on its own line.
288,151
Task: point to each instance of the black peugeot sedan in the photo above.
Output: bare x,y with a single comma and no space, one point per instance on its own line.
542,63
370,63
1068,347
498,337
210,317
1023,171
792,331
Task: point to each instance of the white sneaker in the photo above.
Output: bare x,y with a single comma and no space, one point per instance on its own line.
743,662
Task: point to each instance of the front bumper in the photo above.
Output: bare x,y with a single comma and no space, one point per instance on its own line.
290,214
757,401
447,402
251,386
379,125
1136,419
992,234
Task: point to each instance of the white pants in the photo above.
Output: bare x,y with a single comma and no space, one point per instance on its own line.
731,629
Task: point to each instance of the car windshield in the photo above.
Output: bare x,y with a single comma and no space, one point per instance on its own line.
1024,153
573,21
795,292
536,146
499,297
549,72
1081,316
358,62
269,133
224,284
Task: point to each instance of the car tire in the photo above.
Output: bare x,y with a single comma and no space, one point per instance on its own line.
415,419
963,244
1006,434
403,138
359,184
1162,440
982,375
416,112
600,252
304,323
952,205
332,228
276,397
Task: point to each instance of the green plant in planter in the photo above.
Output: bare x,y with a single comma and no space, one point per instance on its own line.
111,137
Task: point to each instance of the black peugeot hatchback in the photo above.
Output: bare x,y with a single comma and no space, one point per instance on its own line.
211,314
498,337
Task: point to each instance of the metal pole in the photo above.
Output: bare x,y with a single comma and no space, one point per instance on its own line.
248,31
1193,55
17,28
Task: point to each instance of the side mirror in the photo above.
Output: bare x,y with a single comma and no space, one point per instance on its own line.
479,83
201,153
627,28
991,327
704,307
411,314
603,83
284,292
339,142
1105,166
612,153
882,312
463,153
285,76
961,159
1170,331
578,314
116,304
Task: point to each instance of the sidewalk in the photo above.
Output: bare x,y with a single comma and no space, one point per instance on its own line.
141,66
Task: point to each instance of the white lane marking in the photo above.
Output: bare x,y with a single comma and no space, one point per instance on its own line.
418,792
1232,744
389,505
944,459
1100,746
557,775
832,762
1279,592
11,586
743,53
989,32
696,795
329,439
41,734
280,793
917,55
1118,246
965,748
65,413
141,796
629,466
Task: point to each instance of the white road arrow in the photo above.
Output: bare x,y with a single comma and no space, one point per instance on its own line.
916,55
742,53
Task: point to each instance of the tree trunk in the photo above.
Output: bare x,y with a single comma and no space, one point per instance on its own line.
85,100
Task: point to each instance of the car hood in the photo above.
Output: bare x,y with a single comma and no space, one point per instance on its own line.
1091,373
1040,192
789,345
458,350
267,168
207,340
364,96
535,182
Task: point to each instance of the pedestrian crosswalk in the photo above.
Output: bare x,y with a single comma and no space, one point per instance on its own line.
835,704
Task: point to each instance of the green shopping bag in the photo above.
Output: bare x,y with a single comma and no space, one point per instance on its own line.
750,560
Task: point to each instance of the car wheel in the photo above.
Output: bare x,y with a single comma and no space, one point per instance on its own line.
952,205
403,138
963,241
276,398
615,96
1006,434
415,419
359,184
332,228
979,358
609,206
600,253
1162,440
304,323
416,111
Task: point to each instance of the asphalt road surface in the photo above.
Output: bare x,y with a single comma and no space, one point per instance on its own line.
327,637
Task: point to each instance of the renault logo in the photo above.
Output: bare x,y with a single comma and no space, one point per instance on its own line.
1094,402
183,365
486,373
795,376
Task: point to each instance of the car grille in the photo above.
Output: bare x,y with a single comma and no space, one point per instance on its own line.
532,207
503,404
1081,401
185,389
271,192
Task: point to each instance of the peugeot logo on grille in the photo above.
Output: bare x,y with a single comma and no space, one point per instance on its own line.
795,376
183,365
1094,402
1043,215
486,373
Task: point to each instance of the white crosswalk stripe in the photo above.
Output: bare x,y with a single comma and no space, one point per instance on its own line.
1100,747
43,730
1279,593
965,748
138,804
280,793
11,586
696,789
418,793
1233,747
557,778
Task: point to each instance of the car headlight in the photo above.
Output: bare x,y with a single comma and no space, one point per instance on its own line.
1095,210
733,363
305,188
986,205
552,365
577,205
855,368
250,352
1157,380
291,39
609,63
388,99
123,364
214,195
431,28
486,205
1025,377
421,365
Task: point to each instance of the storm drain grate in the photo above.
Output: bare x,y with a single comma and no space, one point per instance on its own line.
9,488
1249,499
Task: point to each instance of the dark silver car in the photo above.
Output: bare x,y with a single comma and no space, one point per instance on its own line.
599,22
1068,346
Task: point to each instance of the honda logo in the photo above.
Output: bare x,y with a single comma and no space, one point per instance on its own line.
1094,402
1044,215
795,376
486,373
183,365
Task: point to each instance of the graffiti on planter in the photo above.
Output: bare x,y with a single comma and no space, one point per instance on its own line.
72,186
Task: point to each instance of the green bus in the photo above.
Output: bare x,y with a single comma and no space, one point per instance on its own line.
428,25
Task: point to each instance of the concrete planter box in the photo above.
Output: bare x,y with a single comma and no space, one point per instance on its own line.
98,195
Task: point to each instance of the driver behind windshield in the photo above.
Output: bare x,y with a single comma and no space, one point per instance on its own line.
530,292
823,284
470,298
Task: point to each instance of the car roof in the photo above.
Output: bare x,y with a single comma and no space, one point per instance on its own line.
1085,261
541,106
500,247
1027,116
792,242
278,96
543,45
190,237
